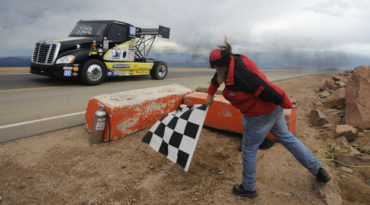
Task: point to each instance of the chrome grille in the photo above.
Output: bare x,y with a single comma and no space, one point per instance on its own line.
45,52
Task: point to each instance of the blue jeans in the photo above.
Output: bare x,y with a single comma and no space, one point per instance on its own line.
255,130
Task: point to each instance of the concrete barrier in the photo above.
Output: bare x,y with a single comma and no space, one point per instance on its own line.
222,115
131,111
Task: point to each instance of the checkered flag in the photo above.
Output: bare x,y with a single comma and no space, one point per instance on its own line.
176,134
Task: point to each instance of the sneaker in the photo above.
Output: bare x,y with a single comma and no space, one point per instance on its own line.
323,176
266,144
239,190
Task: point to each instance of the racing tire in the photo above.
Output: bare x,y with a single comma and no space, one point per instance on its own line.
159,70
93,72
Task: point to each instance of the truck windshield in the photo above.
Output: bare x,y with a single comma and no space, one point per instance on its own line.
86,29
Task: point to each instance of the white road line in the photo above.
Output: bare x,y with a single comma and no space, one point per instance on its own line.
41,120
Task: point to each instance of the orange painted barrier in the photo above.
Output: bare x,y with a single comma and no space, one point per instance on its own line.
131,111
222,115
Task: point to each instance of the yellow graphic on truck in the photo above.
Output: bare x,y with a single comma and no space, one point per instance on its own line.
121,52
128,68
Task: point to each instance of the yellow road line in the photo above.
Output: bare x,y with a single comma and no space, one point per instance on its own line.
29,89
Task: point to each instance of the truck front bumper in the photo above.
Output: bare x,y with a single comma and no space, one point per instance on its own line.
51,70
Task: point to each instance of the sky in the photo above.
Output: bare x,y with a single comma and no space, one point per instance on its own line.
283,27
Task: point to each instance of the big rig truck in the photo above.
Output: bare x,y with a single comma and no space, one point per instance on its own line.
95,50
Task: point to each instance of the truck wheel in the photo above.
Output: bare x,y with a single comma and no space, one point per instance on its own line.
159,70
93,72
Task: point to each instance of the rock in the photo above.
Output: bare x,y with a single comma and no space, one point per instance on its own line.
334,117
324,94
319,103
336,99
342,149
340,84
355,152
329,125
367,145
346,73
23,185
339,78
343,142
317,118
322,86
361,134
367,181
348,170
330,85
353,160
358,98
347,131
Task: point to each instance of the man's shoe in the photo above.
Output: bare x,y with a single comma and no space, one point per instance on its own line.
322,176
266,144
239,190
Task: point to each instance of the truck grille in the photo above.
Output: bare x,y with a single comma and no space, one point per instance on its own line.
45,53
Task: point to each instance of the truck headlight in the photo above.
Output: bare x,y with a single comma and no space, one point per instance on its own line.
66,59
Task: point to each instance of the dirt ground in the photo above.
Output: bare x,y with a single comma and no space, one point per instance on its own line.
61,168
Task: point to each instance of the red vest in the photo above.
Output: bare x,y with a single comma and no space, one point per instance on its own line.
250,91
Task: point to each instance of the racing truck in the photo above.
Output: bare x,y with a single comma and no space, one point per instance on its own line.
97,49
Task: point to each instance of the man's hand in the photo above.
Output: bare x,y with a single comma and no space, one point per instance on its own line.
209,100
296,104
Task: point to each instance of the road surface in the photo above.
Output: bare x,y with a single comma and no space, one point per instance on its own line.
32,105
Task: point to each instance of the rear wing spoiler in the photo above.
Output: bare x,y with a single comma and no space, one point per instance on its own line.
161,31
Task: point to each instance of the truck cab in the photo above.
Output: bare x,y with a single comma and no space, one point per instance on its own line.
95,50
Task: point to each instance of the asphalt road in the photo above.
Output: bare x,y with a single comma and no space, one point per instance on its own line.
31,105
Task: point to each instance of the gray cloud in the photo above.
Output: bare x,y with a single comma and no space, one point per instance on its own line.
196,26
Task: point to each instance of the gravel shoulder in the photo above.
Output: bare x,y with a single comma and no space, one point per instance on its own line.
61,168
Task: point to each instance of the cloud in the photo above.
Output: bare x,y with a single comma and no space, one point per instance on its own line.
197,26
336,8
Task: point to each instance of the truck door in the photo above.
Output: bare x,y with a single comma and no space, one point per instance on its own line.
121,48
